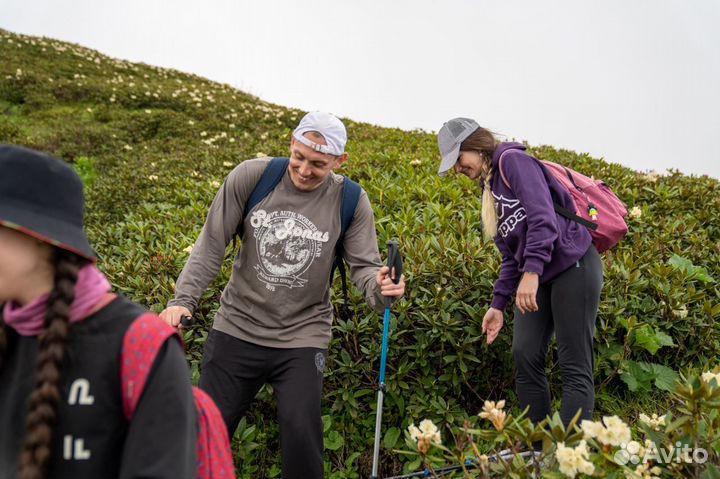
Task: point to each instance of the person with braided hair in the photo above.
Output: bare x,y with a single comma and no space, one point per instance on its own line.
548,263
61,334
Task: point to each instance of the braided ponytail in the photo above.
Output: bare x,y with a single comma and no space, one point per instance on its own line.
44,400
489,209
483,142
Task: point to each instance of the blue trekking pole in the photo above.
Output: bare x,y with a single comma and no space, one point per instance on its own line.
394,261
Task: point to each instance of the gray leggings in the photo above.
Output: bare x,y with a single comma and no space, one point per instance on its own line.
567,306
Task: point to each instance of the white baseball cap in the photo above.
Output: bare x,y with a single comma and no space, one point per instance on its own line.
450,137
329,126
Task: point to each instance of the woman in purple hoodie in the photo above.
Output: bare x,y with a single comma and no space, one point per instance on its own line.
548,263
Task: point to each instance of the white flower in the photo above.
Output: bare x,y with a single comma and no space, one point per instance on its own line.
645,471
574,460
415,162
260,154
127,147
153,177
190,122
635,212
494,413
591,429
428,431
189,248
615,432
708,376
415,433
654,422
681,312
652,176
215,184
227,164
148,111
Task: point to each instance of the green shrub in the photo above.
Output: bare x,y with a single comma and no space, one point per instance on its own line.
156,173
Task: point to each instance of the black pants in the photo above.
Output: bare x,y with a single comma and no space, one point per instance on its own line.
233,371
567,306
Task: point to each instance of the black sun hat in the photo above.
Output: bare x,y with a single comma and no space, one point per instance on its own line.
42,197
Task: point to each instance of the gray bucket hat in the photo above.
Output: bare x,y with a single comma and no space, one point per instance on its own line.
450,136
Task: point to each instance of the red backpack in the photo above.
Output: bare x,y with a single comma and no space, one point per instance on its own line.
596,206
141,344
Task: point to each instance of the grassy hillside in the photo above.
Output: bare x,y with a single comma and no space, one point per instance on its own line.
153,146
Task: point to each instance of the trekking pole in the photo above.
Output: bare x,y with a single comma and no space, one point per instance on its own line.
469,464
187,321
394,261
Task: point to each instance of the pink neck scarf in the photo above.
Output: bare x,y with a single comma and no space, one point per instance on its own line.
29,320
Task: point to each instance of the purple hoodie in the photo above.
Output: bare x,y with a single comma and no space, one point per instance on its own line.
531,236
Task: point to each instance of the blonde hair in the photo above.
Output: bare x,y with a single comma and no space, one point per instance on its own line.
489,209
483,141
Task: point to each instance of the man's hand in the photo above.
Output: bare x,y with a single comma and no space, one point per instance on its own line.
173,314
387,286
492,324
525,298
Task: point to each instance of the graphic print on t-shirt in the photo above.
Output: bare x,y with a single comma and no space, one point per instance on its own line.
287,244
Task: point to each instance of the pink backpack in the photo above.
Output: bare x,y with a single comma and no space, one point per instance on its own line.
141,344
596,206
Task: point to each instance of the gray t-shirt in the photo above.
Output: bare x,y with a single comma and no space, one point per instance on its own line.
279,291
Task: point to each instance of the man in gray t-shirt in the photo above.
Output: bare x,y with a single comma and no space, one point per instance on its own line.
273,324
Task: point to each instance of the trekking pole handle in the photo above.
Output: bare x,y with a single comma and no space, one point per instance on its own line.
187,321
394,260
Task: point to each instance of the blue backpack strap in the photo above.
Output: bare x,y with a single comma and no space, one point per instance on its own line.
270,178
350,197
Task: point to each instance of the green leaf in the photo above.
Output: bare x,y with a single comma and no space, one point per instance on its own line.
636,376
665,378
651,340
711,472
693,272
334,441
391,437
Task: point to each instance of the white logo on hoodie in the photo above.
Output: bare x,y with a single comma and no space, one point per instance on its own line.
508,218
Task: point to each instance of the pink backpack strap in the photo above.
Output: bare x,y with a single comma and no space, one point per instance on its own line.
142,341
215,459
502,173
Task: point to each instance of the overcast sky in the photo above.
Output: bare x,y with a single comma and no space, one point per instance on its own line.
634,81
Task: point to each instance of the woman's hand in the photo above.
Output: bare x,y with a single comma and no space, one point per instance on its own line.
526,295
492,324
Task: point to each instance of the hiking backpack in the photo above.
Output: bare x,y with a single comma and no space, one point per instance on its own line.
596,206
141,343
271,177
